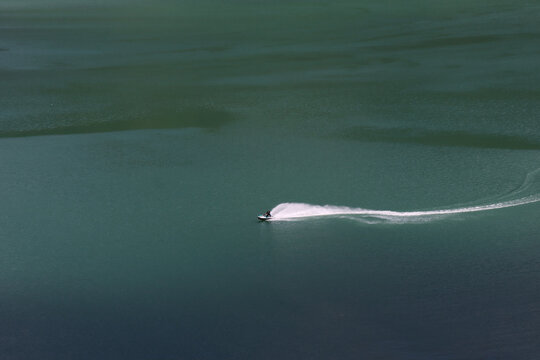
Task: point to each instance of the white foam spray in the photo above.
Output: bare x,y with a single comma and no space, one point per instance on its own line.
527,193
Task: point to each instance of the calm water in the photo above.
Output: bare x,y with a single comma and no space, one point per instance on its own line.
139,140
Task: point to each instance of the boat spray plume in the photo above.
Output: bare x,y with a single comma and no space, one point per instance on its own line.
528,192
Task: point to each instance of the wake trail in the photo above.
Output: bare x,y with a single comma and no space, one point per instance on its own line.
527,193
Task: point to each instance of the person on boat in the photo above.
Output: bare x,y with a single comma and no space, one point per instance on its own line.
267,214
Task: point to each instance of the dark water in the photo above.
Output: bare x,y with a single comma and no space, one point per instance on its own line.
138,140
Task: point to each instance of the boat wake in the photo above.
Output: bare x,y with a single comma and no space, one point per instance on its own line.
528,192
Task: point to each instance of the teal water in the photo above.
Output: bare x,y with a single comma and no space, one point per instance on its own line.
396,144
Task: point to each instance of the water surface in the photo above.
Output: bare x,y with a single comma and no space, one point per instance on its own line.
139,140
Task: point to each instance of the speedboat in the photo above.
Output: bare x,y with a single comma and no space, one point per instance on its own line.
264,217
